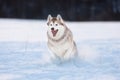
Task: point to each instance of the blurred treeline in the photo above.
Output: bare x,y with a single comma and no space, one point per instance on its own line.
72,10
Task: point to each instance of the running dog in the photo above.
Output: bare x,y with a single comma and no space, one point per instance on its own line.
60,39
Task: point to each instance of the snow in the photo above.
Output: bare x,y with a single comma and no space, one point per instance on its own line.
9,76
35,30
24,54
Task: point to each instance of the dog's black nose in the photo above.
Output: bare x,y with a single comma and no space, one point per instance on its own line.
52,28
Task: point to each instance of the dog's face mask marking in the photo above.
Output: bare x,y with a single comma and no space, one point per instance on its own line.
55,25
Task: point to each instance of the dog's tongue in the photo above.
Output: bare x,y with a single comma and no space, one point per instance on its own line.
54,32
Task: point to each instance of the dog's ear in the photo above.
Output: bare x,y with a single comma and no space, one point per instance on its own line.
60,18
49,18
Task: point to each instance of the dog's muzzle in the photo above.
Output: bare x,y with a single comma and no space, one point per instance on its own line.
54,32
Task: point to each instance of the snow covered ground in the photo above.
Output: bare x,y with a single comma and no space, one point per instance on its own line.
24,53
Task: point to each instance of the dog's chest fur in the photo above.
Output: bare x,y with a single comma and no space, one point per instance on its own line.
60,50
61,47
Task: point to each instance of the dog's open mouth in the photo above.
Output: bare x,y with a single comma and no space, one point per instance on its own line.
54,32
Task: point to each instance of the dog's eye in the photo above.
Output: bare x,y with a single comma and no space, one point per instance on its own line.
56,24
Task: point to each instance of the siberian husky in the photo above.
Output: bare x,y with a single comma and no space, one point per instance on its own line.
60,39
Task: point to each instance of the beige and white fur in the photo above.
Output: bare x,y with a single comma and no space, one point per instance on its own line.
60,39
